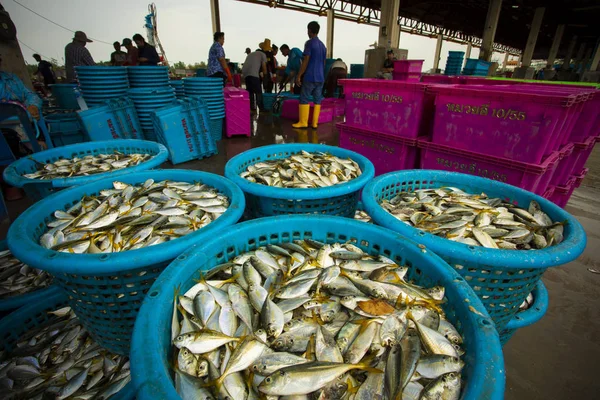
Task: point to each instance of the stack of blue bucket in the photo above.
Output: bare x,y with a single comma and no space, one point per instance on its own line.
148,76
99,84
211,91
178,87
357,71
454,62
476,67
148,100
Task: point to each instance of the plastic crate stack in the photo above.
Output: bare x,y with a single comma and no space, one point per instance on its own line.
454,62
117,119
357,71
383,120
64,128
407,70
178,87
148,100
476,67
535,136
211,91
98,84
237,112
183,128
148,77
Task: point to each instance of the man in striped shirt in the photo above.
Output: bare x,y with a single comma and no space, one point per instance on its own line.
76,54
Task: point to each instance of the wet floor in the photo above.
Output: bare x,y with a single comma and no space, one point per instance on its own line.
557,358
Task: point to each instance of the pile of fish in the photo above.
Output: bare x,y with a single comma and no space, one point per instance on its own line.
315,321
303,171
129,217
475,219
87,165
58,359
17,278
361,215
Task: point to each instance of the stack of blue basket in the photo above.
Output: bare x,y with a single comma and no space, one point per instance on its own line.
178,87
476,67
148,76
211,91
148,100
454,62
99,84
357,71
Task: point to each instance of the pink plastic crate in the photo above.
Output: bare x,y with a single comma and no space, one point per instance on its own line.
562,194
390,107
387,153
407,76
580,177
497,122
237,112
406,66
532,177
582,151
588,123
548,193
289,110
566,165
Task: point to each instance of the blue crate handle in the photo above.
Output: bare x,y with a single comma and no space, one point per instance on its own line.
533,314
484,372
24,233
240,162
568,250
14,173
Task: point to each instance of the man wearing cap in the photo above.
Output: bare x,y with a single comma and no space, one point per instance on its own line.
132,52
217,65
76,54
147,54
118,57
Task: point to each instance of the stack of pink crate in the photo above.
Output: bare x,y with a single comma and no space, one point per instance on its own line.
237,112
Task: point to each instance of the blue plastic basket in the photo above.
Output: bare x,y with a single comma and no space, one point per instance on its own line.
216,128
35,313
65,129
530,316
12,303
357,71
501,278
116,120
265,201
93,71
151,349
37,189
107,290
64,93
184,129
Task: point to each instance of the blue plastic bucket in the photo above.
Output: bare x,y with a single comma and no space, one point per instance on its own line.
37,189
483,374
64,93
106,290
501,278
264,201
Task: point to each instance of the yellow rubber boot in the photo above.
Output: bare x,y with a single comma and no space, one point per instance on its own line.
303,111
316,113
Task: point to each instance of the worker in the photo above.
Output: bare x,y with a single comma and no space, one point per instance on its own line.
147,54
248,51
132,52
268,79
294,62
388,66
77,55
46,70
338,70
255,66
217,65
117,57
311,76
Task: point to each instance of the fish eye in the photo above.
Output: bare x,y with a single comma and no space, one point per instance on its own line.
455,359
291,341
268,380
264,367
179,337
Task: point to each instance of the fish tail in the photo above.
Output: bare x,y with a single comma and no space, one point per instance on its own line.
365,365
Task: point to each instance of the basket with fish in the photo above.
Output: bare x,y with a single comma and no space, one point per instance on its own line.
318,307
46,352
19,283
532,309
300,179
500,238
44,173
107,241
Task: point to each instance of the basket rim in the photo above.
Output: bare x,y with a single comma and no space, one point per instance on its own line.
14,178
368,172
568,250
26,249
150,378
534,313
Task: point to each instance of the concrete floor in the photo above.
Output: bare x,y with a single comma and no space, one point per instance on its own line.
557,358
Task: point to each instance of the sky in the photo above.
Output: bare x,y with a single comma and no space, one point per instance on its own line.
185,29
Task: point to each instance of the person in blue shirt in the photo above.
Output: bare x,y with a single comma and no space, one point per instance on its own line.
217,65
311,77
293,66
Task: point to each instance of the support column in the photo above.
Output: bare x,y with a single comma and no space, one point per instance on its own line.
215,15
330,23
505,62
489,31
533,35
569,55
596,59
468,53
438,52
389,29
560,29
